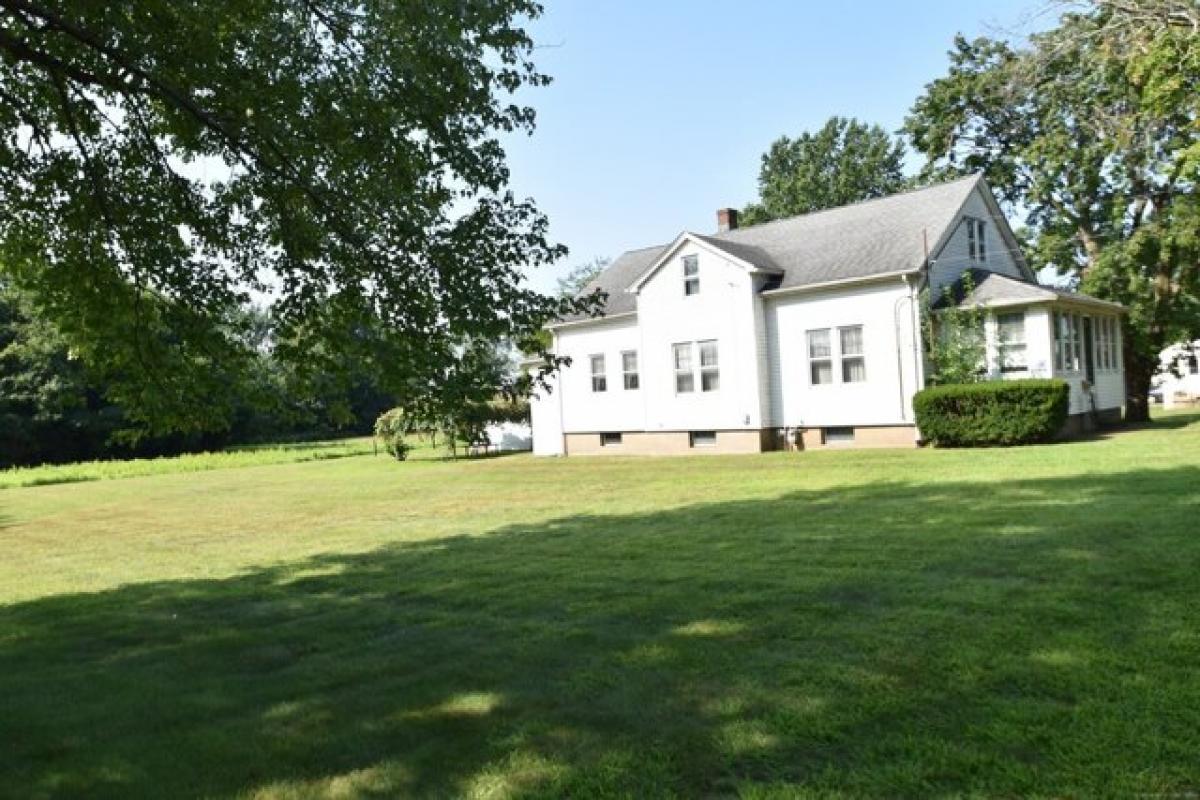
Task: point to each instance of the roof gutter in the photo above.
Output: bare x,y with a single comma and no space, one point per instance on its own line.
573,323
816,287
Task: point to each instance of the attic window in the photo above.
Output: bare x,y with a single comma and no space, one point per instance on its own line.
976,239
691,275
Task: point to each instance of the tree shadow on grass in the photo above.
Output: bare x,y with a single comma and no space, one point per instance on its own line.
893,639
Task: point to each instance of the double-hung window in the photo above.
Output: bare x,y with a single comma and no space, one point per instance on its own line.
820,357
685,380
682,355
691,275
976,239
850,355
629,369
710,372
599,378
1010,342
854,365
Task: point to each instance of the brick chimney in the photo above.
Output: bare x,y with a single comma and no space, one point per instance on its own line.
726,219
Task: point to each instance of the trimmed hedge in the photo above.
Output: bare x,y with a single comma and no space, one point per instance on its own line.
992,413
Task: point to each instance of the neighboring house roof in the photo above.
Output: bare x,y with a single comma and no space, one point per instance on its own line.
873,237
990,289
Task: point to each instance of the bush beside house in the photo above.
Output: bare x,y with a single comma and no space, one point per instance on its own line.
992,413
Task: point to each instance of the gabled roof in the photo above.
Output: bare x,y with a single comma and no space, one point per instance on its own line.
619,276
748,257
874,237
992,290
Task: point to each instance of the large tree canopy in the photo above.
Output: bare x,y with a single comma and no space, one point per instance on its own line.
1093,130
844,162
163,162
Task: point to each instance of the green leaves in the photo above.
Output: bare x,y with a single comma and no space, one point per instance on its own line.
844,162
163,165
1091,130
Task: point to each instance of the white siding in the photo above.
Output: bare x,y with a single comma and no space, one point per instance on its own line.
954,257
616,408
724,310
885,398
545,416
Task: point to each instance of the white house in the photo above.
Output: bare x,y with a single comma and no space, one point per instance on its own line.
1178,379
805,331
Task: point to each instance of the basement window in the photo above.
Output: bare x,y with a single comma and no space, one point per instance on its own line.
610,439
702,438
837,436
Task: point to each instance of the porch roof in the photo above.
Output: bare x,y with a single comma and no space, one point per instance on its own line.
992,290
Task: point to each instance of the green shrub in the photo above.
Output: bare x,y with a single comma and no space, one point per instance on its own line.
391,427
992,413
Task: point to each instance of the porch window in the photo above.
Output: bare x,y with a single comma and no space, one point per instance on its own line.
854,365
691,275
1110,343
685,381
1106,344
1010,342
820,357
710,373
599,378
1068,356
629,368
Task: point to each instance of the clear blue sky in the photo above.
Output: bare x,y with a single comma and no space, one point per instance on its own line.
659,111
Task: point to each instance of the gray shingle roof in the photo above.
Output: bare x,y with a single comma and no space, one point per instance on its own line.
619,276
992,289
856,241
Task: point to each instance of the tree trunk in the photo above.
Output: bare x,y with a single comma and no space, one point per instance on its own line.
1139,370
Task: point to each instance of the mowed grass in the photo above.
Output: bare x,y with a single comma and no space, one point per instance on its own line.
234,457
1009,622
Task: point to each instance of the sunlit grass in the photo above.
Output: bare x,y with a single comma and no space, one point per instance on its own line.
1007,622
234,457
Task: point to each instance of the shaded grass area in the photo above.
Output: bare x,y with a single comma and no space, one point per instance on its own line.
1001,623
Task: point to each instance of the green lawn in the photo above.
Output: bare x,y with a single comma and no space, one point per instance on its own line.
1008,622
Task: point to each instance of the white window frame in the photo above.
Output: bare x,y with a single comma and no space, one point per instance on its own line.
630,376
691,275
976,239
1068,342
860,356
837,359
683,368
611,439
1021,346
709,436
826,360
710,374
599,378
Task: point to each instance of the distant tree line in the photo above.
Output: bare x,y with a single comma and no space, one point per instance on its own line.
55,408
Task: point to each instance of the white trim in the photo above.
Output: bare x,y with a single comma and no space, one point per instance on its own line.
816,287
572,323
1051,299
688,237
